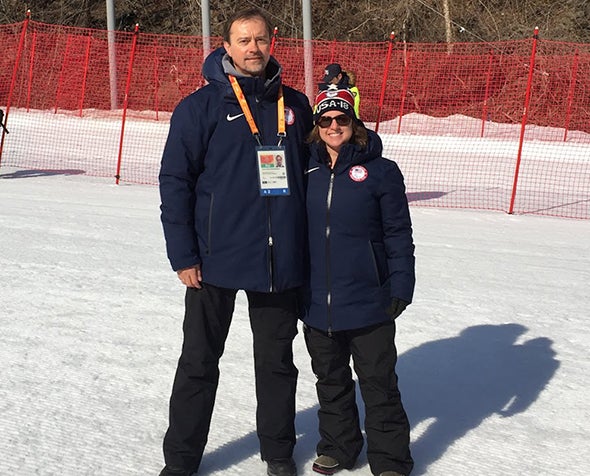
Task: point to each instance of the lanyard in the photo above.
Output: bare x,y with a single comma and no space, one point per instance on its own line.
248,114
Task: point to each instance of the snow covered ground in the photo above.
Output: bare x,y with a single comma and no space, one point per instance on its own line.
445,161
494,362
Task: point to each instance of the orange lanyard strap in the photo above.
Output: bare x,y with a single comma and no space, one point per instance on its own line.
248,114
282,132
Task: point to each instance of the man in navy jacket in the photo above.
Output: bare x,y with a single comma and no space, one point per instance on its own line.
234,220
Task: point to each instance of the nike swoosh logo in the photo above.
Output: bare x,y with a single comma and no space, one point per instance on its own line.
308,171
232,118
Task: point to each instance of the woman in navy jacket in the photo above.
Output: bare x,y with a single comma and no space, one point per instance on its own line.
361,278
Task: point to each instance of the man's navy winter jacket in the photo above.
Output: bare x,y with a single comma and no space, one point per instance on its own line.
212,211
360,238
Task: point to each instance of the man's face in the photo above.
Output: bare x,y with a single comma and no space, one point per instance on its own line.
249,46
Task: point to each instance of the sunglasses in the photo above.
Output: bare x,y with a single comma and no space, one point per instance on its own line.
341,120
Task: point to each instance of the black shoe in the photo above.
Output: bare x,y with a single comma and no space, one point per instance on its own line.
325,465
172,471
281,467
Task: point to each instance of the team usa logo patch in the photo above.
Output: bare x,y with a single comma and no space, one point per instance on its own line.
358,173
289,116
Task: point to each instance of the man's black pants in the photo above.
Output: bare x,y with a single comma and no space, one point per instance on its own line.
208,314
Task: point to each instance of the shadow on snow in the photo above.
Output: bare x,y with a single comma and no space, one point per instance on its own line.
39,173
451,385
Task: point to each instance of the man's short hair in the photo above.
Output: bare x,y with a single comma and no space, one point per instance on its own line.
245,14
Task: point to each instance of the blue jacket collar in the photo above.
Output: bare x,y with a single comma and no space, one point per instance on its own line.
219,64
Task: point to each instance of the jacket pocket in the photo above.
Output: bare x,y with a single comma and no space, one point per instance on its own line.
204,223
377,251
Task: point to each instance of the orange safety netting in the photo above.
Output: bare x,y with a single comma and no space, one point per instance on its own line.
500,126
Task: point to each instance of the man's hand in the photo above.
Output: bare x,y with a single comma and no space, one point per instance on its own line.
191,277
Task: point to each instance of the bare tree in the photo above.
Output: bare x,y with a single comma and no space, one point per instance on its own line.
448,23
343,20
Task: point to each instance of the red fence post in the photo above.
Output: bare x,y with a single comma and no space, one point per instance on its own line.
402,102
570,96
126,101
21,43
61,74
85,74
274,40
332,50
156,80
484,113
384,83
31,63
525,113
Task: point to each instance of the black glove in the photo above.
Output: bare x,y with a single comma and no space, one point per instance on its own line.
396,307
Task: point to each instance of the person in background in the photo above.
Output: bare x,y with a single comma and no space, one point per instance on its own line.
2,121
227,229
361,279
355,92
334,75
336,78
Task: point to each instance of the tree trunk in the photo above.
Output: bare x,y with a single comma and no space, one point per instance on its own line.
448,26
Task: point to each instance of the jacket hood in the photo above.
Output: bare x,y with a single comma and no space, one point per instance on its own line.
350,154
219,64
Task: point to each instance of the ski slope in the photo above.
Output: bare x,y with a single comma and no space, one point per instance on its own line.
494,363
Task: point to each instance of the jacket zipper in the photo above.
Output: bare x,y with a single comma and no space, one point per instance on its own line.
270,240
328,277
209,224
270,247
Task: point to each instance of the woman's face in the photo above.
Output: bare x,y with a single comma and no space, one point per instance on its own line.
335,135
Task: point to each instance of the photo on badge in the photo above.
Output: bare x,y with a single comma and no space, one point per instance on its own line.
272,170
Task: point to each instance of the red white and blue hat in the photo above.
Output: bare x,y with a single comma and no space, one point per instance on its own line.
334,99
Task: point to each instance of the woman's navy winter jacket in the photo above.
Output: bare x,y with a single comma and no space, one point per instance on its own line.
360,238
212,212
